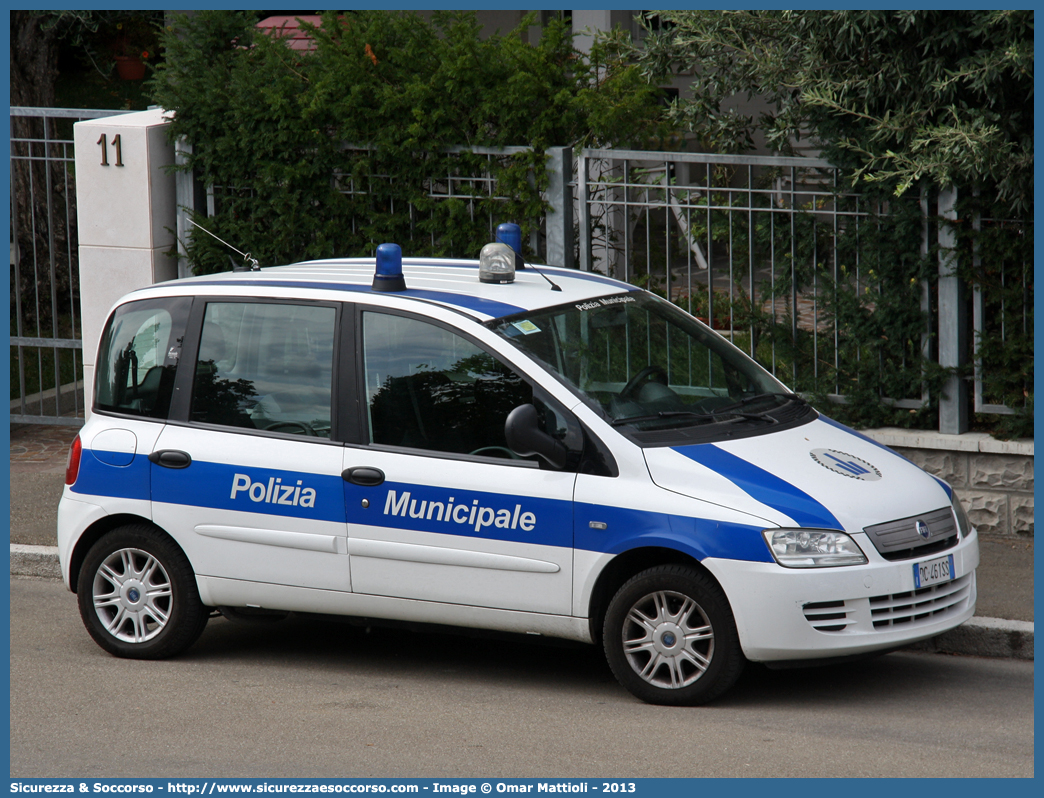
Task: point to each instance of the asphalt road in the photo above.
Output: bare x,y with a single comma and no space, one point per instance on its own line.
311,698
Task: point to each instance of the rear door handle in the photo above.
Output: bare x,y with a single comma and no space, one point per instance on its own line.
171,458
366,476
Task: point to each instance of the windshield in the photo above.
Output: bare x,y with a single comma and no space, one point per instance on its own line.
647,365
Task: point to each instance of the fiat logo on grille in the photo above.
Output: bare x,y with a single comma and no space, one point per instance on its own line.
923,530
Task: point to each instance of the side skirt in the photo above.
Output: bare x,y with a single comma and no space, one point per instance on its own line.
217,591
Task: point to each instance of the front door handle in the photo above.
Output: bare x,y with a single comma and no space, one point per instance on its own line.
366,476
171,458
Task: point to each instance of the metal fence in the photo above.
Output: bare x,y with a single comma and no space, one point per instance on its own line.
464,175
710,227
46,361
759,247
1006,311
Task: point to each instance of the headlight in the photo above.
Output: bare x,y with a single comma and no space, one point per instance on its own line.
812,548
963,524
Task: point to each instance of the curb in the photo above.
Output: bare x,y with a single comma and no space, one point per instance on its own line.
35,561
983,637
978,637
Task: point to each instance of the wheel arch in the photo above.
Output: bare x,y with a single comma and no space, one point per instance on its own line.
623,567
99,529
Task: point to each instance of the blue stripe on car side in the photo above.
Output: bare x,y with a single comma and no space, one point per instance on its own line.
231,487
762,485
406,506
467,513
97,478
487,307
627,529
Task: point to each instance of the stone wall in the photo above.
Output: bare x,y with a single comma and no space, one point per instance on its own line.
994,479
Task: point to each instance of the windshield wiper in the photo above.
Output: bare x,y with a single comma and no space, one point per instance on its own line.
715,415
758,397
727,413
616,422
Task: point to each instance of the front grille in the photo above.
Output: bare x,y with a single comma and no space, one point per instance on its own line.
897,611
920,606
826,616
900,540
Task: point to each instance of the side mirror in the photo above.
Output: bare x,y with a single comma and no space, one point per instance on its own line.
525,438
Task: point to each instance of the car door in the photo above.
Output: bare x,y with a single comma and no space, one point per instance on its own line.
247,479
439,509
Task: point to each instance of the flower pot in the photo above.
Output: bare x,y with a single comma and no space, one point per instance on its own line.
130,67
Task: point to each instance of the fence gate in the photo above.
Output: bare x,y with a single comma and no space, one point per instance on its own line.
46,346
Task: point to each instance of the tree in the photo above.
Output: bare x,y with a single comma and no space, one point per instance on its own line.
42,189
895,98
896,95
35,38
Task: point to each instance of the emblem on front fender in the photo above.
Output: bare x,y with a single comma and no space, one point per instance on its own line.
846,465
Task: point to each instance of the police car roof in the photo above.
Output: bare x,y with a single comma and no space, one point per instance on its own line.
452,283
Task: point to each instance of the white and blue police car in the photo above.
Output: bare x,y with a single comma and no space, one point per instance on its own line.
491,445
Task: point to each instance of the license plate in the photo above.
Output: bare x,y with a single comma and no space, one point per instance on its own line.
932,572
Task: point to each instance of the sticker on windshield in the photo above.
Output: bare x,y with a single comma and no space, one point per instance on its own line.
605,301
846,465
526,327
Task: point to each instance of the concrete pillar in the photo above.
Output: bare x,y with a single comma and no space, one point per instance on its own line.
125,215
559,219
953,321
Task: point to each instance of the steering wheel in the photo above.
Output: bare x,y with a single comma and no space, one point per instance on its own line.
290,426
491,451
638,379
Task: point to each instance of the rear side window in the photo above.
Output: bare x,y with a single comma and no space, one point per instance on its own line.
139,355
266,366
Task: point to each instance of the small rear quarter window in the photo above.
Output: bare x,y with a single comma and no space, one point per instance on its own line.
138,357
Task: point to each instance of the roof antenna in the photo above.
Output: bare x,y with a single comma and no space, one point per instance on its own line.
249,264
511,234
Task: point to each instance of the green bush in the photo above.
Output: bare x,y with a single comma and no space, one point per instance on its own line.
271,127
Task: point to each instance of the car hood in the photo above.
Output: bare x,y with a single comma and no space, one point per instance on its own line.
817,475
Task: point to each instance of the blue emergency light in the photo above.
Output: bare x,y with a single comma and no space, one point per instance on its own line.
511,234
388,275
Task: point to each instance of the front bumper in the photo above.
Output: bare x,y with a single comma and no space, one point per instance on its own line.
794,614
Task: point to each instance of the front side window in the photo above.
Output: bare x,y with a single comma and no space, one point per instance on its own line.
139,355
429,388
266,367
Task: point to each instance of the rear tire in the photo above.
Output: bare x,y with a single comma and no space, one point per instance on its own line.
137,595
670,637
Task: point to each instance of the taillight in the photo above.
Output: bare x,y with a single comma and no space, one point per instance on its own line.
72,468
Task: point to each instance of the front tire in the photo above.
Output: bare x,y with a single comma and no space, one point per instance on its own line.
137,595
670,637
